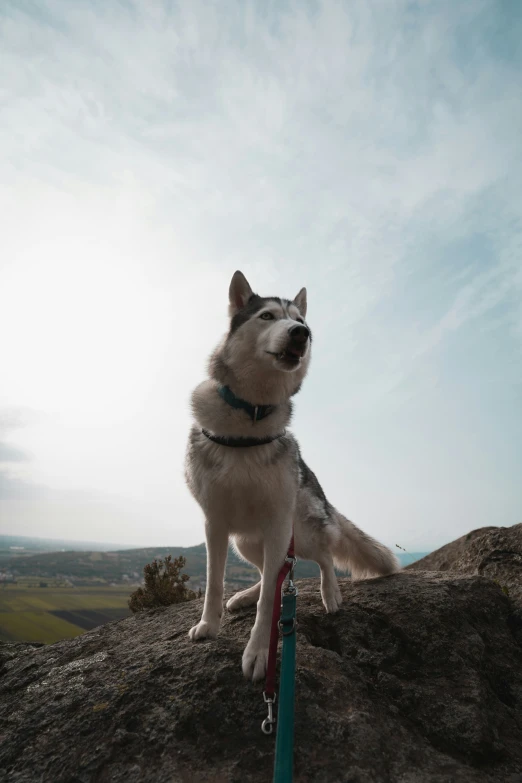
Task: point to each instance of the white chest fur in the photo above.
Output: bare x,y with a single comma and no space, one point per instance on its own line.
243,487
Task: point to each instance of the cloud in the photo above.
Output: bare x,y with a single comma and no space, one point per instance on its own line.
11,485
14,488
10,453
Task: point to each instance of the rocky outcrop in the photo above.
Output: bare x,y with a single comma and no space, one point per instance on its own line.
495,552
442,559
417,679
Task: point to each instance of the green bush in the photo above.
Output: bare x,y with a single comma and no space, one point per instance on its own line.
164,585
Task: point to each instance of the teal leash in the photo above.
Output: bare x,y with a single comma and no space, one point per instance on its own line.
284,621
284,752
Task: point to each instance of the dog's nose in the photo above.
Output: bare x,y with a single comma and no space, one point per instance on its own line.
299,333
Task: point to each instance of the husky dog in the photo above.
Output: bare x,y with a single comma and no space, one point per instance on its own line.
245,470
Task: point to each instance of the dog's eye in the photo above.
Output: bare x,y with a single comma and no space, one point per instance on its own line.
267,316
300,320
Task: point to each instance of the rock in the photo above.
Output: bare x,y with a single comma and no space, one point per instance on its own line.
443,559
10,650
495,552
417,678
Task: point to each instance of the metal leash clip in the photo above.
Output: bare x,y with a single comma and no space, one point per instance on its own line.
285,631
268,724
289,587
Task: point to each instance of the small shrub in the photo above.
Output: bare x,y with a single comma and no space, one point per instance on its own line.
164,585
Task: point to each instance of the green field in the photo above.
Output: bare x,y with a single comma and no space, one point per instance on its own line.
48,614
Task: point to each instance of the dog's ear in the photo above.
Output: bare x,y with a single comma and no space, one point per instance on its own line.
300,302
239,292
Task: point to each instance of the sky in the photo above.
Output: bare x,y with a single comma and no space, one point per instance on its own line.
369,151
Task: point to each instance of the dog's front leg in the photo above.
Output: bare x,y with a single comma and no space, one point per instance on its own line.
255,656
217,548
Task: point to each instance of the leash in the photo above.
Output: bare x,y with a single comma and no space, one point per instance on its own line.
284,620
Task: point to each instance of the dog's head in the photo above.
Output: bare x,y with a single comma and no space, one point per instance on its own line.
267,330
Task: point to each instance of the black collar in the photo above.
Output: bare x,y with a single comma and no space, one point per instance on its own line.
256,412
225,440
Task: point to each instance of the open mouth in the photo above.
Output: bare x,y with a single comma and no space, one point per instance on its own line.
289,355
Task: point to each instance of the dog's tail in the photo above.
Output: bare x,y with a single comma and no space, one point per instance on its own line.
359,553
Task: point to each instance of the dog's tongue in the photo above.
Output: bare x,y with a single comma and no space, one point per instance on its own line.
294,352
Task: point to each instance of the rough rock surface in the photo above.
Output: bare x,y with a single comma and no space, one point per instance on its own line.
444,558
417,678
495,552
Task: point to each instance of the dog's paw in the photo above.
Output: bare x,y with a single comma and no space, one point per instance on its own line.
332,600
204,630
235,603
240,600
255,661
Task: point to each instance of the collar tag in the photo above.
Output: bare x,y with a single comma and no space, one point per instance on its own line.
256,412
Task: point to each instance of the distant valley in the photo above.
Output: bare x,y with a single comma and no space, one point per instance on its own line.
47,595
90,564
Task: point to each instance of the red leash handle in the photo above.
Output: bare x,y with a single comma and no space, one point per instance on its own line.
287,566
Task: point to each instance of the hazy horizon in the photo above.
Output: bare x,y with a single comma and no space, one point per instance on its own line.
368,151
